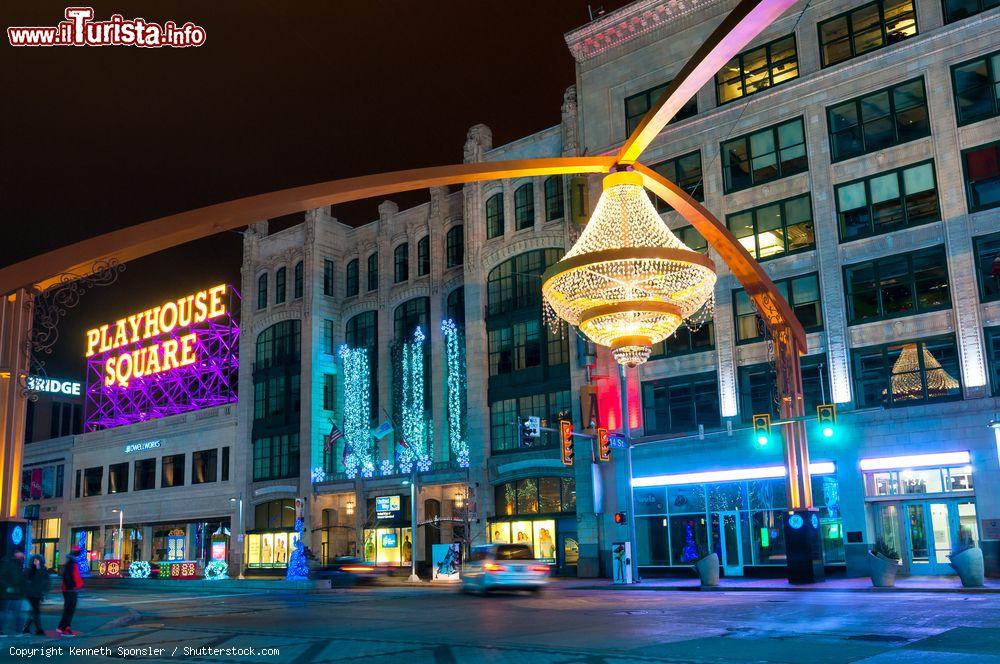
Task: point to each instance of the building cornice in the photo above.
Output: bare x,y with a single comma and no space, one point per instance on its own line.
625,24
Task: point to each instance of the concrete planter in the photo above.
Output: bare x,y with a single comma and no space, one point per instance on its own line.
883,570
708,570
969,565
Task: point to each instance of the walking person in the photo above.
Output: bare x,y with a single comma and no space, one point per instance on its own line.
36,585
72,583
11,593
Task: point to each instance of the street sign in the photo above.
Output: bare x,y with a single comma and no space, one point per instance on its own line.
616,441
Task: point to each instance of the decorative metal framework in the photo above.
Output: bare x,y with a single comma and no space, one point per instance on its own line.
747,20
210,381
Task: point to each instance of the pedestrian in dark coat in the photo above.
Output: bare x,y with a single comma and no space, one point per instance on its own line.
72,584
11,593
36,585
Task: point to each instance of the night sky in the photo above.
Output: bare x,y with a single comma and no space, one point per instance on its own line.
281,94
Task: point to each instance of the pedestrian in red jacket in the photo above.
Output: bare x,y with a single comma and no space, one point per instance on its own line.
72,584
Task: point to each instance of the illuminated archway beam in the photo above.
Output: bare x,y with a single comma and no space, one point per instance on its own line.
153,236
747,20
774,309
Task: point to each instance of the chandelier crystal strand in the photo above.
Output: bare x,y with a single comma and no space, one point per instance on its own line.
627,282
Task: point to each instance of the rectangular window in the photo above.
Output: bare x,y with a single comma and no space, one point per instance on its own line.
279,285
977,88
685,341
93,478
956,10
145,474
76,490
767,154
423,256
225,464
907,373
276,457
897,285
172,471
328,336
503,433
557,347
455,246
297,281
679,404
988,266
692,238
204,466
524,206
327,277
759,393
351,279
685,172
993,357
775,229
982,176
865,29
639,104
878,120
757,69
329,391
802,294
887,202
554,205
262,291
515,348
401,263
494,216
118,478
373,272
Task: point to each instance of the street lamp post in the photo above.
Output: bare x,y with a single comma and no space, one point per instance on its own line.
239,539
627,433
413,527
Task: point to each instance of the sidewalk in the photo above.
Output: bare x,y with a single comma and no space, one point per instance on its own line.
927,584
92,614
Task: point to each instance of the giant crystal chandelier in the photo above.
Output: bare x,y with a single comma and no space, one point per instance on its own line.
906,379
628,282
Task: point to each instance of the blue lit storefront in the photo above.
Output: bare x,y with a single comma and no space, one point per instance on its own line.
739,514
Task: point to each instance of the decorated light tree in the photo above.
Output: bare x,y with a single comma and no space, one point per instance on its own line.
298,567
416,439
360,455
456,391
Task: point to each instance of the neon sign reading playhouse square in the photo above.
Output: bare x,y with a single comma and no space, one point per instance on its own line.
175,357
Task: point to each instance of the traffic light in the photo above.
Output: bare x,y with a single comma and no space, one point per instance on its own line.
762,429
620,518
566,438
603,444
826,415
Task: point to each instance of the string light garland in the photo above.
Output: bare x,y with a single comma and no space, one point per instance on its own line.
456,391
416,441
628,282
318,474
360,455
140,569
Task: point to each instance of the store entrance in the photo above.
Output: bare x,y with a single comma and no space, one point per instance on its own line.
924,532
729,542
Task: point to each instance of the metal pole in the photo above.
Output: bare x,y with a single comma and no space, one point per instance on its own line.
413,527
121,522
626,432
240,539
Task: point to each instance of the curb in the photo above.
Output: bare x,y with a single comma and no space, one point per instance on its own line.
131,616
716,589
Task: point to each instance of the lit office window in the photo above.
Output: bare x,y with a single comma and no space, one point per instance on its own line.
757,69
865,29
775,229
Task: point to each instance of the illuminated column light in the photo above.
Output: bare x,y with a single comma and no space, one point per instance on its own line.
456,392
415,438
360,455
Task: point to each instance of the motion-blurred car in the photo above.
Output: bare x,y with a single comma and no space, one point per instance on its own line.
503,566
347,571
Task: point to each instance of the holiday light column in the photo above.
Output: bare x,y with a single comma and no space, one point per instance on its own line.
456,391
360,455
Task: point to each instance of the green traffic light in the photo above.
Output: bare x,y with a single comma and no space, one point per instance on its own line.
828,431
762,440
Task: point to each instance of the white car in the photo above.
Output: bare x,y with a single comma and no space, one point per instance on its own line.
503,566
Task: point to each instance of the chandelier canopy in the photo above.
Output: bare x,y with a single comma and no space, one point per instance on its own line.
628,282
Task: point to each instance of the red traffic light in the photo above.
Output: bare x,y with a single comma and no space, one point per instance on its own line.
566,440
620,518
603,445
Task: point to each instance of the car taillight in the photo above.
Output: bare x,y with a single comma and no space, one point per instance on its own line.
540,568
355,568
493,567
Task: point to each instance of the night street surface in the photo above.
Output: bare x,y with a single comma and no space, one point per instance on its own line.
404,625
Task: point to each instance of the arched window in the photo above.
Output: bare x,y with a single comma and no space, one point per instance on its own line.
279,343
279,286
494,216
516,283
455,306
276,373
262,291
455,246
400,263
373,272
297,281
524,206
409,315
554,207
275,514
351,279
423,256
361,331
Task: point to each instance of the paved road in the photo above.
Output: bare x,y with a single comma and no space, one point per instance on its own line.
404,626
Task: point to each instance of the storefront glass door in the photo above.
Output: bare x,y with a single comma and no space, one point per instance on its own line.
933,528
730,543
